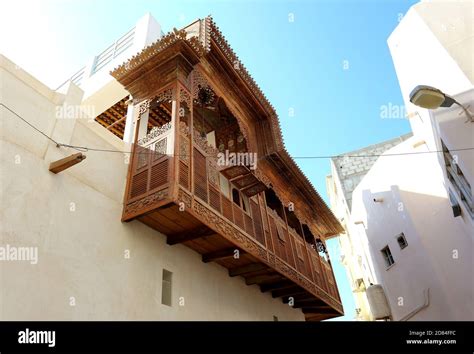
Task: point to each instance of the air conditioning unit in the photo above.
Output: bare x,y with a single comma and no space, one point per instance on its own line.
378,302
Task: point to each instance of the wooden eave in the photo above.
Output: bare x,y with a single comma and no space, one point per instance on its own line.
277,153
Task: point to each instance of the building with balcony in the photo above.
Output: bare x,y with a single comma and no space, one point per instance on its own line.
187,207
411,219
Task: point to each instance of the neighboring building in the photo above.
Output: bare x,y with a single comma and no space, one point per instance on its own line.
190,219
346,173
411,218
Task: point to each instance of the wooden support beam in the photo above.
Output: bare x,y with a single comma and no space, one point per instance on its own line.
117,111
249,268
113,129
202,231
61,165
263,278
101,122
319,311
117,122
152,121
277,285
294,290
301,297
317,317
221,254
312,304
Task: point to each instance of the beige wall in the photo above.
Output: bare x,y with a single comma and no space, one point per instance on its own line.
82,246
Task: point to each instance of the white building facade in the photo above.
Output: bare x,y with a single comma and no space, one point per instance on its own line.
411,216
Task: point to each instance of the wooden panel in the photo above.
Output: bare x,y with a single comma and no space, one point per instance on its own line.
227,208
303,263
159,174
248,225
254,189
234,171
317,269
139,184
238,216
263,210
200,175
215,198
183,175
245,181
277,242
288,249
257,222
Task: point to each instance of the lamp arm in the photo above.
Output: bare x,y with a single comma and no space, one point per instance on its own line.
466,111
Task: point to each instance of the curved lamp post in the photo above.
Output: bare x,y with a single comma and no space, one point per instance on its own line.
432,98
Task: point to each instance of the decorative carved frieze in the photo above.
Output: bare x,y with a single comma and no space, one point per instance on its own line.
144,106
165,96
262,177
184,129
160,148
184,197
157,47
212,172
229,231
201,141
184,149
155,133
185,96
198,82
146,202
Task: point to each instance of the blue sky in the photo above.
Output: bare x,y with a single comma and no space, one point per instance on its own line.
331,65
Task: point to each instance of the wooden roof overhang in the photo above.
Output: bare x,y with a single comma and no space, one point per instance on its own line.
175,55
171,58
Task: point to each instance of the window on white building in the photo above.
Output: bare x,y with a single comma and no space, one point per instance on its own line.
454,203
460,184
387,255
166,286
402,241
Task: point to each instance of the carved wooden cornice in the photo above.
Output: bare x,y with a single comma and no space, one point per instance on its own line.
164,42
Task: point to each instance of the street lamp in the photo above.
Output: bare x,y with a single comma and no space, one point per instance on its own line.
432,98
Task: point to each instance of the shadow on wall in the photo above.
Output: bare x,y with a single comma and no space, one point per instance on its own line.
427,260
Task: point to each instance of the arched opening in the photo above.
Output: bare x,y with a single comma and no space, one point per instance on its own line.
293,221
273,202
213,121
236,196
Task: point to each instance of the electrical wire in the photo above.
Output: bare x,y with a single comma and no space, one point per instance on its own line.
343,156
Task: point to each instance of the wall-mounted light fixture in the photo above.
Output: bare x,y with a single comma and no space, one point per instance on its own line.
431,98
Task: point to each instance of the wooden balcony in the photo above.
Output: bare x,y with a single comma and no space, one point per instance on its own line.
180,196
193,103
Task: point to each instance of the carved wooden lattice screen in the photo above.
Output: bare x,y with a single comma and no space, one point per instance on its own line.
184,156
257,221
150,169
151,164
302,259
200,175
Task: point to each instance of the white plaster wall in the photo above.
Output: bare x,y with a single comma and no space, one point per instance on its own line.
147,31
81,251
420,57
350,247
415,202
